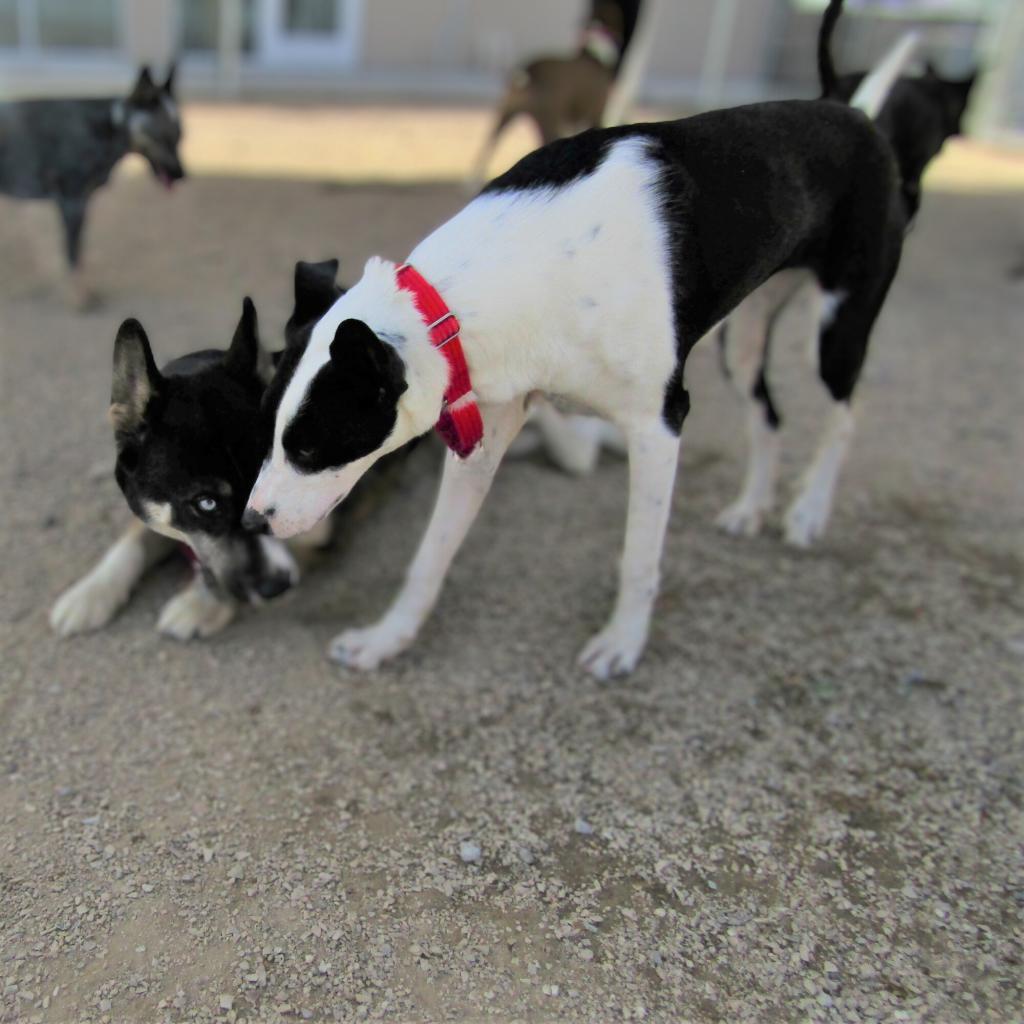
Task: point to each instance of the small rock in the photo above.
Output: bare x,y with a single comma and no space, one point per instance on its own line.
470,852
227,1002
583,827
525,854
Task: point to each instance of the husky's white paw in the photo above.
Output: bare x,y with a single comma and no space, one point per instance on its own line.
614,651
90,604
367,648
195,612
807,518
742,518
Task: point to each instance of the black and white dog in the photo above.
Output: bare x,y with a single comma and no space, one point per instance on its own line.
919,115
589,270
65,149
190,440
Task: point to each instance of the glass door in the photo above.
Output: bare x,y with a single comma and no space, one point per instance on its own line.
300,33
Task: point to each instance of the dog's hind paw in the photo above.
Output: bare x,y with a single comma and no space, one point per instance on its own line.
367,648
194,613
741,519
90,604
614,651
806,519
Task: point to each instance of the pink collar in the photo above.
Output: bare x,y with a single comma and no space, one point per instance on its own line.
460,425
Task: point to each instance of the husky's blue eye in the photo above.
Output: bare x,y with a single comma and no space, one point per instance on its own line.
205,503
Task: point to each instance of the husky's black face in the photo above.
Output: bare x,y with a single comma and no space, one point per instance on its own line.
154,126
190,439
189,445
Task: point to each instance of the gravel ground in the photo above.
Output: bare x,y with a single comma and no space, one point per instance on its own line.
804,806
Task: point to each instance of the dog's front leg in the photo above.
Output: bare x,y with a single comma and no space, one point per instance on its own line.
653,455
197,611
464,485
98,596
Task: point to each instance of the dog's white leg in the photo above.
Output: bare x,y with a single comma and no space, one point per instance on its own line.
653,456
195,612
97,597
746,514
808,515
744,356
464,485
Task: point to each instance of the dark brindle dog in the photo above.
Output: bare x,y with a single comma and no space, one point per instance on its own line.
65,149
567,94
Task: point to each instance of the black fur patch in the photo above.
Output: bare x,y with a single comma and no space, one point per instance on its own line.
920,114
351,405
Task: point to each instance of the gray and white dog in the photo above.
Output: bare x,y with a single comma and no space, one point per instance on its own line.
65,149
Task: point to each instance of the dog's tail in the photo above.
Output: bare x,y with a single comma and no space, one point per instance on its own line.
872,93
826,68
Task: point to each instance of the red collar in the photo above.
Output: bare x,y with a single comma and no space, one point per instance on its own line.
460,424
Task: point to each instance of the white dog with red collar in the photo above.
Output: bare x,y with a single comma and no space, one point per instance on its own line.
587,271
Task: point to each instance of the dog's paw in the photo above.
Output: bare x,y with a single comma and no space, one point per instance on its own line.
741,519
806,519
195,613
90,604
614,651
365,649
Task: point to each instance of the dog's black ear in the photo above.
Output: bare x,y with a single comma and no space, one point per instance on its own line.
145,92
359,354
316,289
136,378
241,358
172,71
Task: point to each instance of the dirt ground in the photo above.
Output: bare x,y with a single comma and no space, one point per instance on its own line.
805,805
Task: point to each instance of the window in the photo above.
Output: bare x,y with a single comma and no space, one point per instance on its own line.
77,24
30,25
200,25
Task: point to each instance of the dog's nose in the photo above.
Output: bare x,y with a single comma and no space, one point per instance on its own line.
273,586
257,522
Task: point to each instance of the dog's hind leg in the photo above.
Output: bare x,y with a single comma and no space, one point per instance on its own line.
653,456
97,597
464,485
746,347
846,325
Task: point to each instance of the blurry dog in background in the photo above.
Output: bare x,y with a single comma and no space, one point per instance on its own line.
565,95
190,440
65,149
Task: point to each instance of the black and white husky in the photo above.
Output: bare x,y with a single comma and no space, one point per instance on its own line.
65,149
190,439
589,271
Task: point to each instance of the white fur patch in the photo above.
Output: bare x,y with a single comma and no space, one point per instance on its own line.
535,278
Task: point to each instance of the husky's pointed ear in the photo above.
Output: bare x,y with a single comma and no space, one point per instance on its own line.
357,352
145,91
241,358
136,378
172,70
